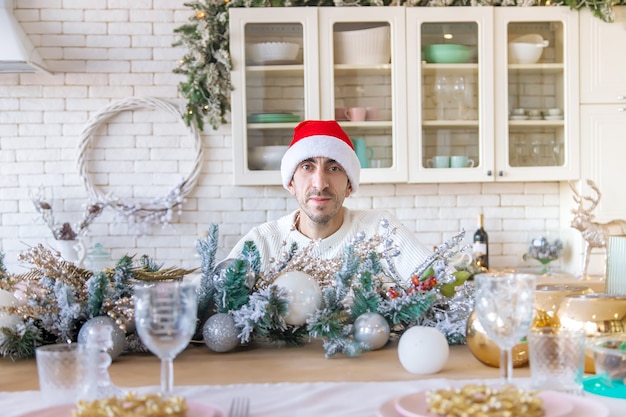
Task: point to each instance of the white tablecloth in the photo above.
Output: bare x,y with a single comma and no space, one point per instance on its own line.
328,399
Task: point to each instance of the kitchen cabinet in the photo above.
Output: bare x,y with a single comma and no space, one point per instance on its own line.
336,72
602,126
602,58
420,109
473,116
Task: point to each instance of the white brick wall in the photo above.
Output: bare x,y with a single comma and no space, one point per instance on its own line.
100,51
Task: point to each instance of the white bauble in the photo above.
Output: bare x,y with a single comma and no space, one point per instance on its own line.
303,293
7,299
423,350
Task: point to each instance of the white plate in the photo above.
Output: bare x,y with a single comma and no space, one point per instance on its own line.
65,410
518,117
574,407
553,117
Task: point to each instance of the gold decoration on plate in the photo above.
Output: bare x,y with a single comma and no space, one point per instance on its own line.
481,400
133,405
486,350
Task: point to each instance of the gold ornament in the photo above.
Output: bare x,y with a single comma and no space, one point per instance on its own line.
200,14
597,314
486,350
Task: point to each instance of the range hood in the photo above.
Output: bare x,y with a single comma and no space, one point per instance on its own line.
17,53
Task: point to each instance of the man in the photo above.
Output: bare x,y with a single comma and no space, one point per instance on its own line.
321,169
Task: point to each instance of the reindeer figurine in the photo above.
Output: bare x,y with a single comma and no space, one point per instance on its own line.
596,235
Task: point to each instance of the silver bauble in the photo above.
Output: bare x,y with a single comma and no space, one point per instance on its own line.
220,333
371,329
117,335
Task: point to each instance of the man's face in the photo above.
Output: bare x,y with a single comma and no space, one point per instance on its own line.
320,186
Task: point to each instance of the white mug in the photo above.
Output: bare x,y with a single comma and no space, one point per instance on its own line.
440,161
461,161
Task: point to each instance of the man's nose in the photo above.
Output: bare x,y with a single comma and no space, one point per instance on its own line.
320,180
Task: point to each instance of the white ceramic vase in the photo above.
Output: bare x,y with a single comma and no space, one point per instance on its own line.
70,250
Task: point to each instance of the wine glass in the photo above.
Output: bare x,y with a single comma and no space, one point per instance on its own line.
504,304
165,318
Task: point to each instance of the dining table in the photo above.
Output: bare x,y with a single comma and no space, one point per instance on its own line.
290,381
280,381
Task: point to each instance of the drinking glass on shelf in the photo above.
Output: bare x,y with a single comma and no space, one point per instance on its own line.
165,317
504,304
458,92
442,95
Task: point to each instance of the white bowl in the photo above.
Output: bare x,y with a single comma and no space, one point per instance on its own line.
362,45
272,52
266,157
526,49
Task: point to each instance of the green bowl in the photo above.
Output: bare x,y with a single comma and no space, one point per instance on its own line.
446,53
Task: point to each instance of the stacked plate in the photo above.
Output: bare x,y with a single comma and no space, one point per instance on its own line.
555,404
273,118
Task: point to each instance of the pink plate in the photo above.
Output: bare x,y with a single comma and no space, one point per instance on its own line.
555,404
65,410
585,407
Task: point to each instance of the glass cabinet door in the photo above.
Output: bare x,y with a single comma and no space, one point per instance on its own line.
449,60
361,63
274,69
538,94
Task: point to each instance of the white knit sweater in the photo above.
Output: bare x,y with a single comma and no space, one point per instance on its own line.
274,237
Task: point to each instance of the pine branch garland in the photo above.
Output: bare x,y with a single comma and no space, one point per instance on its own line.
21,341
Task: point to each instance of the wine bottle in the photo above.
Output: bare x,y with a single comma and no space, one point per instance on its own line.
480,249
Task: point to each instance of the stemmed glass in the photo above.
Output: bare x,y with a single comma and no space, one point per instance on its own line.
504,304
165,318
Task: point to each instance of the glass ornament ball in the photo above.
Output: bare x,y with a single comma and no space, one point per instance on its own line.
117,335
220,333
303,293
371,329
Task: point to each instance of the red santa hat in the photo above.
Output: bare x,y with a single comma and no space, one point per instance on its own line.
320,138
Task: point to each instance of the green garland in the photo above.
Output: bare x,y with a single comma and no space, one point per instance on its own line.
207,64
236,287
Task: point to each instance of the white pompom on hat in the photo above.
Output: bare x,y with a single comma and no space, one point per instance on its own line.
320,138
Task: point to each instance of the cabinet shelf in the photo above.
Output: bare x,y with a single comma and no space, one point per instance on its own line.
450,123
347,69
461,68
540,123
281,69
266,126
544,68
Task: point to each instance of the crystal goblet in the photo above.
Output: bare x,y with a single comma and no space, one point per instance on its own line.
504,305
165,318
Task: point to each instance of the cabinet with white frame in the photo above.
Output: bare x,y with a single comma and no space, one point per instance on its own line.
270,98
474,120
410,126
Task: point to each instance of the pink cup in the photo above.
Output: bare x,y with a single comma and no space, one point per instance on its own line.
356,114
372,113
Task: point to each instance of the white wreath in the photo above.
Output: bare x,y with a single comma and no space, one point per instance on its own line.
158,210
